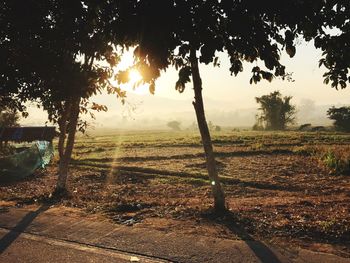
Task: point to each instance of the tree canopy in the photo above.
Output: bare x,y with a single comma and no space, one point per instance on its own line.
244,30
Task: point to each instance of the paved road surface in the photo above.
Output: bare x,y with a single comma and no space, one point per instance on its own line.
40,235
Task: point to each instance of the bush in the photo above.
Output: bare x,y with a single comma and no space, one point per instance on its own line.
174,125
305,127
217,128
337,160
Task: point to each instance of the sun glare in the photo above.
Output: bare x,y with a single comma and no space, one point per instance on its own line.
134,77
134,85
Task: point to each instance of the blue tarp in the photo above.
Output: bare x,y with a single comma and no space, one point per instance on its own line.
24,163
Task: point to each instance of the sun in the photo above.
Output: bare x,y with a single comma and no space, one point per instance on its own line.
134,84
134,77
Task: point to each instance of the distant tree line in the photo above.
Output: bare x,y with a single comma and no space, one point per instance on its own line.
277,112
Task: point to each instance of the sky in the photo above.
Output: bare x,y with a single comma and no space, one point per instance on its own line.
218,84
222,92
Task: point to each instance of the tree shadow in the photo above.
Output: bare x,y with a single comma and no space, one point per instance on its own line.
84,161
21,226
151,173
10,181
229,220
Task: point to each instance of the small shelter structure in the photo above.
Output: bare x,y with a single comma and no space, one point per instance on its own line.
21,162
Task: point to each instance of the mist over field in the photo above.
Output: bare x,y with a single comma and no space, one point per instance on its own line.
154,112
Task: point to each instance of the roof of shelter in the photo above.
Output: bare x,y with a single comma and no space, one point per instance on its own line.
27,134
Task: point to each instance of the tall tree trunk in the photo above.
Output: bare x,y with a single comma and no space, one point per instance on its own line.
219,197
65,160
63,128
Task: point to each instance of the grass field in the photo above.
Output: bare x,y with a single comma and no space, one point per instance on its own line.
279,186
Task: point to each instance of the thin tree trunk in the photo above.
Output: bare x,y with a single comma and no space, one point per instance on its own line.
219,197
65,160
63,128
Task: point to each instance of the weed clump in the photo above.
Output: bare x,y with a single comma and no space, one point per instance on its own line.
337,160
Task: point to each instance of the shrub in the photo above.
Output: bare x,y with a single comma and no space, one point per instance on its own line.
337,160
174,125
305,127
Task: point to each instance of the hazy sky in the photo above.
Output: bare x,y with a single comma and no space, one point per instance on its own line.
220,85
229,93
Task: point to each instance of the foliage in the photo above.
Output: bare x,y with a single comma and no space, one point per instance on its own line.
341,117
51,68
335,46
276,111
244,30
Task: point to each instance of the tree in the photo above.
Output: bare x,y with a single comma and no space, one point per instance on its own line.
59,55
186,33
341,117
276,111
174,125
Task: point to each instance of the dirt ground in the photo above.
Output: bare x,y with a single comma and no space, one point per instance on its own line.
273,194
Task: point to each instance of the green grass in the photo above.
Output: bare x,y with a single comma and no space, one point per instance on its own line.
337,160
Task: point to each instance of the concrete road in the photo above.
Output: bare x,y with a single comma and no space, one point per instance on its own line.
41,235
31,248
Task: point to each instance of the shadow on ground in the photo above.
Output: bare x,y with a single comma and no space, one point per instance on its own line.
229,219
11,236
